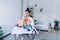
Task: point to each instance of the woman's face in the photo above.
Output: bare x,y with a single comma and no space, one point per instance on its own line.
26,13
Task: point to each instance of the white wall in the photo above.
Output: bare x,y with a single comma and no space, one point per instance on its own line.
56,9
47,6
25,5
10,11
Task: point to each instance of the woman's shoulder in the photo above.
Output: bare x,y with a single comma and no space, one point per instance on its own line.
31,18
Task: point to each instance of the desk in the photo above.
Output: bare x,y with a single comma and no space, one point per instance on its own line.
17,30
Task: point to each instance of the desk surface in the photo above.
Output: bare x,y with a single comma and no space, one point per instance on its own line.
17,30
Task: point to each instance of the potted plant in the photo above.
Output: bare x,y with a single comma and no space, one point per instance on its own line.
56,26
1,31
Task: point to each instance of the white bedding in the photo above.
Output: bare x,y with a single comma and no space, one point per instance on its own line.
42,27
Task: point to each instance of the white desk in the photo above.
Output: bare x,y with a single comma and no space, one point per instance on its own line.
17,30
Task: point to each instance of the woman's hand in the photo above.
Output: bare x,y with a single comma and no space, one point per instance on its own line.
20,22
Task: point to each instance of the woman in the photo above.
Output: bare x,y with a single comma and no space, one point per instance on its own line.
27,20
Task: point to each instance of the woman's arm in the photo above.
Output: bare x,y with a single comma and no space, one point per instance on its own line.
32,23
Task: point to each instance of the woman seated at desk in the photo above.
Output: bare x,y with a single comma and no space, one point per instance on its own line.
27,20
